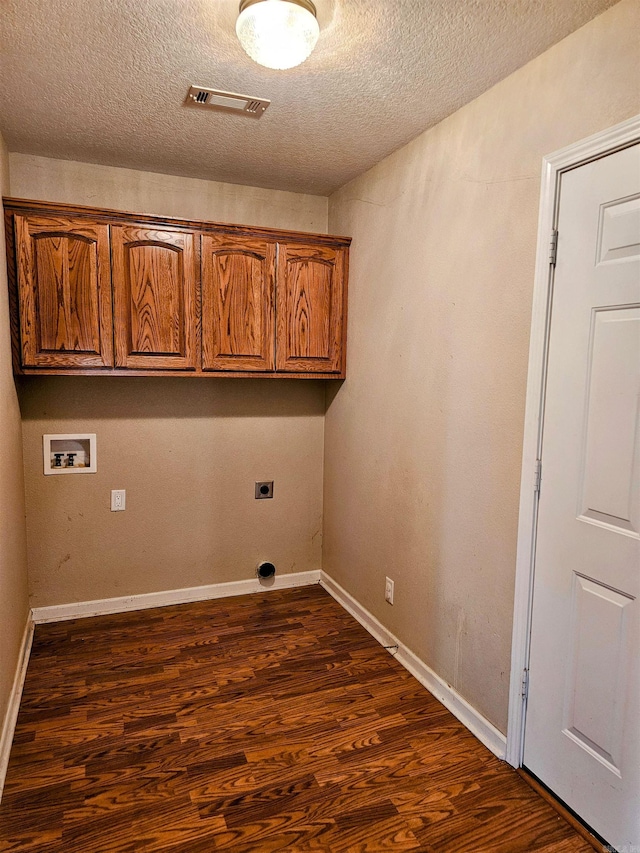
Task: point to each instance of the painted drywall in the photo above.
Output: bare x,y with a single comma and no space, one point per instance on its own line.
187,451
164,195
423,441
14,606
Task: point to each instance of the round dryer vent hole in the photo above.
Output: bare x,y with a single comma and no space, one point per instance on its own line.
266,570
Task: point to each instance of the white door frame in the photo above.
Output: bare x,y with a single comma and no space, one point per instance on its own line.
553,166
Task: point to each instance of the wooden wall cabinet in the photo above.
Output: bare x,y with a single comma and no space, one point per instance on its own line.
238,278
98,291
64,292
311,281
154,298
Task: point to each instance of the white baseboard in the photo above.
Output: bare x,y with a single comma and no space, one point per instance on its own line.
478,725
80,609
13,706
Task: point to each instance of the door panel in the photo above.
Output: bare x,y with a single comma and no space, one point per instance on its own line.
310,308
611,490
64,287
598,660
619,228
582,734
237,303
154,287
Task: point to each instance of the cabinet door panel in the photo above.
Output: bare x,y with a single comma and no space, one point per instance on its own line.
310,308
154,288
237,303
64,286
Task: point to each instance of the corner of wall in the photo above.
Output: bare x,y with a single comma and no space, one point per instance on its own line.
14,597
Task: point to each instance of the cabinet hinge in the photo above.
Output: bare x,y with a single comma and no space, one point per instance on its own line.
553,247
525,683
538,476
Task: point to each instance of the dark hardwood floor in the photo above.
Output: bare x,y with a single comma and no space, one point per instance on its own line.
269,722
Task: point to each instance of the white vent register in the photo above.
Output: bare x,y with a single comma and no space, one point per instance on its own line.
199,96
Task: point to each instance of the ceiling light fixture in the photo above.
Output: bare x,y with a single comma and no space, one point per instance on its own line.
277,33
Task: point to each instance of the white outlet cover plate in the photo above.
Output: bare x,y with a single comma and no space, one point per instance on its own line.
118,500
82,444
388,590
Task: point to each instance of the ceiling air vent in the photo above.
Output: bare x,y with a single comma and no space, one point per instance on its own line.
228,101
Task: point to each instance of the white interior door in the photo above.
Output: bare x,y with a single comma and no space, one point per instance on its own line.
582,731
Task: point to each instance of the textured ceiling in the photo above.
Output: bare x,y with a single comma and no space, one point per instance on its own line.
104,81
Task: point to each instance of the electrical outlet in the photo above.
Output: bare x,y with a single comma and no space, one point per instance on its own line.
388,590
264,490
118,500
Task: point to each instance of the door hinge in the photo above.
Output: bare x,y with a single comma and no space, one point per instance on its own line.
553,247
538,476
525,683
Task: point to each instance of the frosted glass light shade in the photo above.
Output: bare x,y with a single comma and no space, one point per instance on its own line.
277,33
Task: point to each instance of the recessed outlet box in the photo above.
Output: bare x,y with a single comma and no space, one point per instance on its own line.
264,490
68,453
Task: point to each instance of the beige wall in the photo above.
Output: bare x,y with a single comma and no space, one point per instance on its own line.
423,441
164,195
187,451
14,606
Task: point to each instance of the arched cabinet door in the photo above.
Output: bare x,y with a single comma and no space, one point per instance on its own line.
310,308
237,303
64,292
154,296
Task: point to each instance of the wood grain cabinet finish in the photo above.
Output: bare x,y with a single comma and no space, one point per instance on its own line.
102,291
237,303
64,292
310,309
154,297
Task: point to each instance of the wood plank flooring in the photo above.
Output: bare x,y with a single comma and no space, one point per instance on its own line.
269,722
